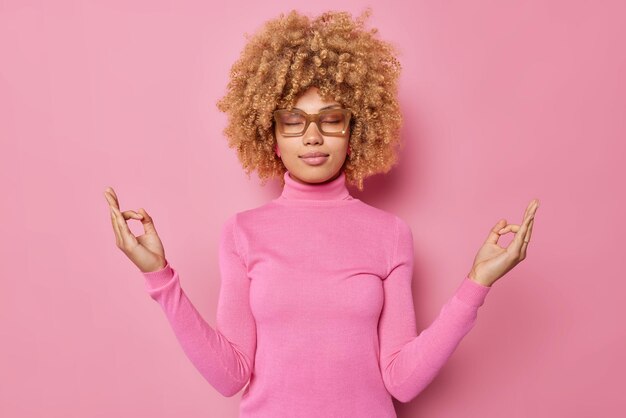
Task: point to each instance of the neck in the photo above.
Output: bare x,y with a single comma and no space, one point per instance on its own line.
333,189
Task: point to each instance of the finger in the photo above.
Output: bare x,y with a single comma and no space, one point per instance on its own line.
532,208
530,230
116,228
528,210
113,197
110,199
128,239
493,236
510,227
148,224
527,239
529,214
516,245
128,214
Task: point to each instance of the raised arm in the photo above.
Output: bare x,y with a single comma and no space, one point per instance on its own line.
224,355
408,361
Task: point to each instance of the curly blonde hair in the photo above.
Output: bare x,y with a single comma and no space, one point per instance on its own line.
345,61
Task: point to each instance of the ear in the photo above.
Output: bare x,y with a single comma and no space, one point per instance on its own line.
276,150
348,149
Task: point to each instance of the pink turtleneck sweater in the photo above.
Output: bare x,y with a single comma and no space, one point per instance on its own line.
315,311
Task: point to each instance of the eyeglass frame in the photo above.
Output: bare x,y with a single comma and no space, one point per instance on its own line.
315,117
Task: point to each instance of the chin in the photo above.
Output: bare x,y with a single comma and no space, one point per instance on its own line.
315,174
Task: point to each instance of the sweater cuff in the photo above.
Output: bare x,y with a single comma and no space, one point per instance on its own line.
471,292
159,278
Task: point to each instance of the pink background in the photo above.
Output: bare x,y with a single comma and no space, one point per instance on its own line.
503,102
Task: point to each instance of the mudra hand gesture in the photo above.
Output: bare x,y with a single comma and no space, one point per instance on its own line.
492,261
145,251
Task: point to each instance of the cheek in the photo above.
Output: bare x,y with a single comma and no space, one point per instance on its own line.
285,148
279,144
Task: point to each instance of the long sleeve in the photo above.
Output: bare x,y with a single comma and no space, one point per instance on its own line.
409,362
224,355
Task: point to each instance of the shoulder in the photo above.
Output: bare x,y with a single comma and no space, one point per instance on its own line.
376,215
396,222
392,229
245,222
403,229
246,218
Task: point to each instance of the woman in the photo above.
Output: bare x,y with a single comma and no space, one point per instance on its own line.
315,311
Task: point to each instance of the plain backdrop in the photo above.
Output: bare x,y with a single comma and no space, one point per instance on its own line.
503,102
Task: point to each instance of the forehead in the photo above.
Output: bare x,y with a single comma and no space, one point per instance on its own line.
311,101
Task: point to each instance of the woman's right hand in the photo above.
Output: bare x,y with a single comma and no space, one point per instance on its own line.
145,251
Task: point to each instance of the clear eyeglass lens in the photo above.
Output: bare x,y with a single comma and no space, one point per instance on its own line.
330,122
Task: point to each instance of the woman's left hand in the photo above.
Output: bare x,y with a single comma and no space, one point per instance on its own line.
493,261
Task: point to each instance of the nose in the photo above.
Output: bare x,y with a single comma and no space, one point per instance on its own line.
312,134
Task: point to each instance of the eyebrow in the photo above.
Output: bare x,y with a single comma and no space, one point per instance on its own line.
324,108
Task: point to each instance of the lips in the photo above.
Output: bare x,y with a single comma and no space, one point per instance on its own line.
314,154
314,158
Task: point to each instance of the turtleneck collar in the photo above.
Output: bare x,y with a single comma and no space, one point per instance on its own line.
334,190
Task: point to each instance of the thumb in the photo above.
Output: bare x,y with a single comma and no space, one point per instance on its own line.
493,236
146,221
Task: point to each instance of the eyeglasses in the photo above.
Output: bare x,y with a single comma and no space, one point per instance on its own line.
331,122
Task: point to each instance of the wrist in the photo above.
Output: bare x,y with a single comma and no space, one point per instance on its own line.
472,276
